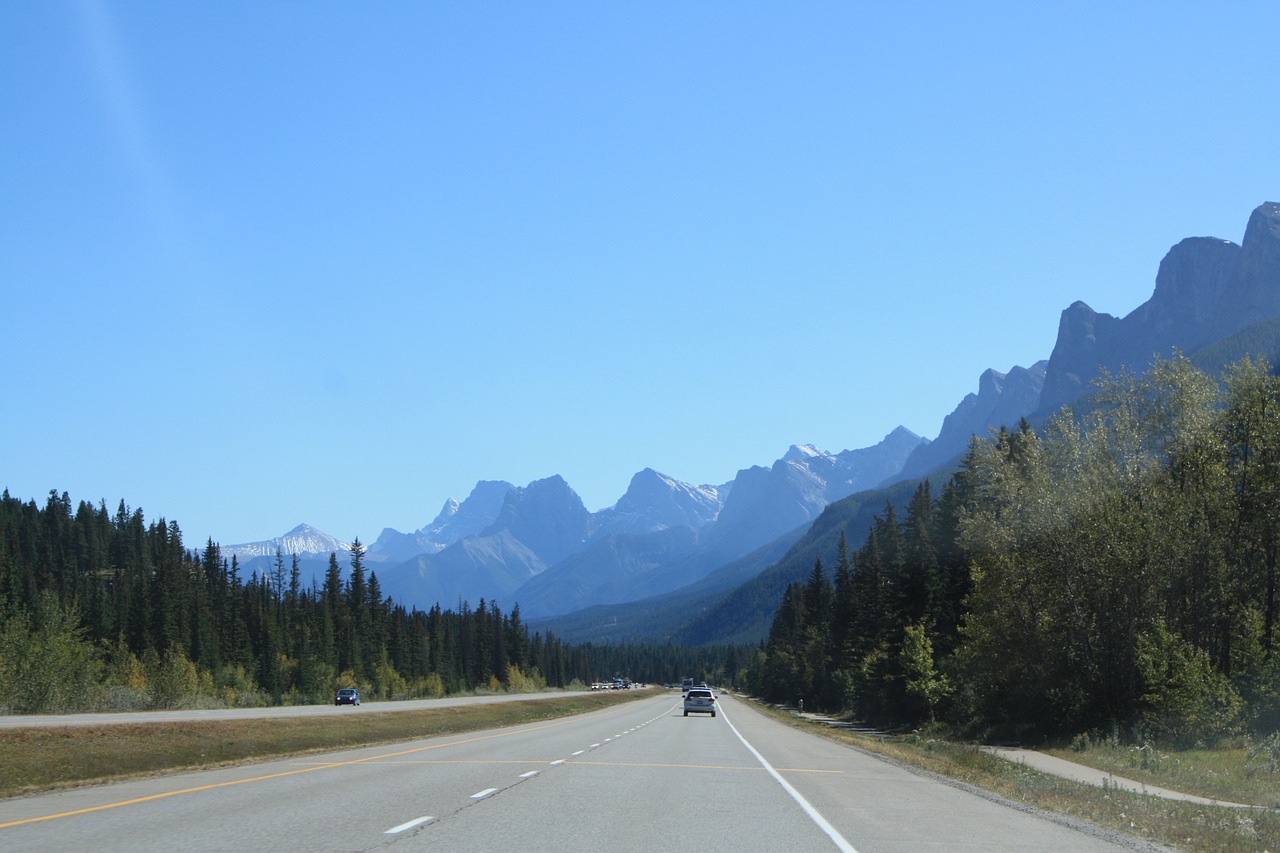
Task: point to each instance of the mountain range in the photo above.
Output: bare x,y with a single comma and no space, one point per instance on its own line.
538,546
708,563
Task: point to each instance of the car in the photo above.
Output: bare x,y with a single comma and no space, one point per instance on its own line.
346,696
700,700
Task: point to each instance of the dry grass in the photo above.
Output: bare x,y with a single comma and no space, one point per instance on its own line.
1220,774
1174,824
40,759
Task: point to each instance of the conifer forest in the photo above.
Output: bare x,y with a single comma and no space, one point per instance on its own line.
1113,572
106,611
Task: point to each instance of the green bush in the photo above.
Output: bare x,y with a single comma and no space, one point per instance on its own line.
46,665
172,680
1185,701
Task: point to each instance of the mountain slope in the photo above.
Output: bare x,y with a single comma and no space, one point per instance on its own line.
1206,289
491,567
1213,299
666,546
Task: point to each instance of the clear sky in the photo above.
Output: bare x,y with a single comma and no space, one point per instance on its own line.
272,263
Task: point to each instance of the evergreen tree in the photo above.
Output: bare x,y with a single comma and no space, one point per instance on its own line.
357,651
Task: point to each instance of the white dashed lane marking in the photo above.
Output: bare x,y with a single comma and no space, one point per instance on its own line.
489,792
410,825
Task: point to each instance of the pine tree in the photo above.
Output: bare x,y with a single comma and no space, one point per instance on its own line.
360,654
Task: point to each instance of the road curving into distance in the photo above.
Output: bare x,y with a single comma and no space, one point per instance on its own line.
638,776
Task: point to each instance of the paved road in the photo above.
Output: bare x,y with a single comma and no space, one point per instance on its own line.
27,721
639,776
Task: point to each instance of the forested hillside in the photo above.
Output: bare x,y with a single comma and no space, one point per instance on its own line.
1113,572
108,611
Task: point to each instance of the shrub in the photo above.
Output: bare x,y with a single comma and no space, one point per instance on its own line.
433,686
1264,755
1186,701
46,665
518,682
173,680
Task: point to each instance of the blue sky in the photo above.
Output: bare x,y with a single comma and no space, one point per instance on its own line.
333,263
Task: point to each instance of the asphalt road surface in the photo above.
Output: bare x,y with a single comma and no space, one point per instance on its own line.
637,777
27,721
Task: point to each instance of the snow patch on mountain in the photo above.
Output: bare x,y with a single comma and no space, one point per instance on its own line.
302,540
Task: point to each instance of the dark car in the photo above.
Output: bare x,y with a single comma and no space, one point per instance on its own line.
346,696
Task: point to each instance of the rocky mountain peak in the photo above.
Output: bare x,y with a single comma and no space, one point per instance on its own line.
1002,398
301,540
655,501
1206,288
457,520
804,453
1259,271
547,516
1264,226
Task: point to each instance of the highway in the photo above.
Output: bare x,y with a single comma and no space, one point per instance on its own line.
639,776
30,721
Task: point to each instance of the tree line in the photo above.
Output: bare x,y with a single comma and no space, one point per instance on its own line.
1113,572
109,611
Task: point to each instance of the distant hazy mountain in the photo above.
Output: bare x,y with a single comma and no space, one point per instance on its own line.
705,563
539,546
546,516
654,501
1002,399
620,567
456,521
311,546
661,535
303,539
491,567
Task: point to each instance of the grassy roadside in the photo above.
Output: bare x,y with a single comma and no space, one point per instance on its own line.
41,759
1220,774
1179,825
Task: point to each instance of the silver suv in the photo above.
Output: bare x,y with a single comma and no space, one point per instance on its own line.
700,700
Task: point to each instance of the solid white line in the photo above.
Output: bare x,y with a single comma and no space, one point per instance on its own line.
813,813
410,825
487,792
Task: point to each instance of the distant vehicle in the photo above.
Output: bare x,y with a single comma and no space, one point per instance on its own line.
346,696
699,700
686,684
